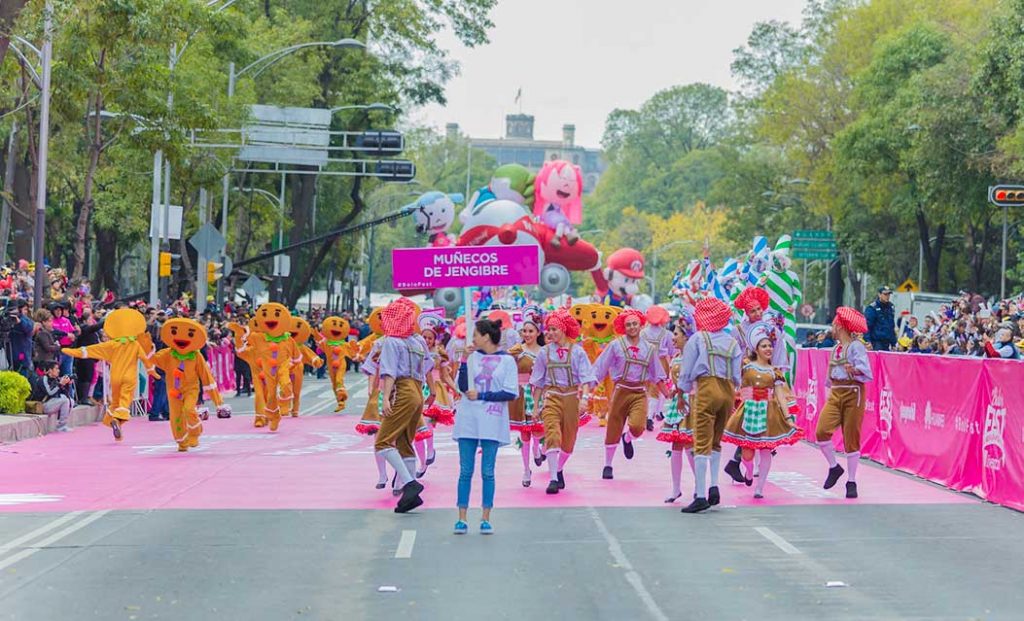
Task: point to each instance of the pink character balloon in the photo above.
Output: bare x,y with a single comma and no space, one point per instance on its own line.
558,200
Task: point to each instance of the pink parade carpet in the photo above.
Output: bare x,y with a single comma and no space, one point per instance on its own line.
319,462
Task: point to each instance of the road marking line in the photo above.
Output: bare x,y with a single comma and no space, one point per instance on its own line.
632,577
42,530
24,554
777,539
405,544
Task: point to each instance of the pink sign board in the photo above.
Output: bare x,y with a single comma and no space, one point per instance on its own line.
465,266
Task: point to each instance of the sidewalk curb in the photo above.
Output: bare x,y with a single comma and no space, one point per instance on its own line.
18,427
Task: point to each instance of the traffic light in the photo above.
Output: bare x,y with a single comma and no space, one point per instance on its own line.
395,170
165,264
213,272
379,143
1006,195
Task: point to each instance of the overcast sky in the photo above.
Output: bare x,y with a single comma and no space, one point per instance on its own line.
577,60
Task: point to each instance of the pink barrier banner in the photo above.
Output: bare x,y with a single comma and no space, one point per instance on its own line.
955,421
465,266
222,363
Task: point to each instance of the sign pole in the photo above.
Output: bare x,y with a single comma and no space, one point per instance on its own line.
1002,276
467,304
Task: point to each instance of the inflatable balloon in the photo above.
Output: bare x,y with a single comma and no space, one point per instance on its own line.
434,213
558,202
511,182
620,280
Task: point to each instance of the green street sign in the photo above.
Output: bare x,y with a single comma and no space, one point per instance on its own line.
814,244
812,234
815,255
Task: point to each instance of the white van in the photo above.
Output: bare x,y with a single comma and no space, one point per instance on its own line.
920,304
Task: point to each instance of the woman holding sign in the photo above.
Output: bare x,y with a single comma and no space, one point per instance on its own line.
488,380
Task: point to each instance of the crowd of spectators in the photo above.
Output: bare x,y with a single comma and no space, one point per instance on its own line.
968,325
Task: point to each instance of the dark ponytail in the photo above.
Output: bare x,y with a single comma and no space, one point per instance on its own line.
491,328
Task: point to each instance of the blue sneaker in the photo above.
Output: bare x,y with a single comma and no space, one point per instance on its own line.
461,528
486,528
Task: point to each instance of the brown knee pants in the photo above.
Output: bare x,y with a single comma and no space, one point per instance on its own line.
843,408
399,429
629,404
561,417
712,405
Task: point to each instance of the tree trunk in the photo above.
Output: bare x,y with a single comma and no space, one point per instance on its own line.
9,10
931,253
23,213
309,270
106,248
95,150
303,195
10,161
855,279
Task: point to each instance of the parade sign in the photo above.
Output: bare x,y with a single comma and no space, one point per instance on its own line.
465,266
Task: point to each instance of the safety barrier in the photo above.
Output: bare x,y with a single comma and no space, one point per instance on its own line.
956,421
222,363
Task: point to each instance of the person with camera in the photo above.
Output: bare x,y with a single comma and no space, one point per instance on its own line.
53,390
45,346
22,329
85,368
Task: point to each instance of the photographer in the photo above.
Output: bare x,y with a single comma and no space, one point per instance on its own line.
54,391
21,340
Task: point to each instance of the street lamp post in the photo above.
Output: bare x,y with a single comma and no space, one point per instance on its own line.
44,149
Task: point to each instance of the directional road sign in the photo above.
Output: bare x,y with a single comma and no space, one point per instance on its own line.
812,234
815,255
208,241
253,287
908,286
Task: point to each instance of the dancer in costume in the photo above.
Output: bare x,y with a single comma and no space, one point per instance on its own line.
404,364
300,334
187,374
244,336
129,345
521,412
273,351
752,302
848,370
561,373
370,422
441,410
656,334
711,368
332,339
633,365
509,335
677,429
488,381
763,421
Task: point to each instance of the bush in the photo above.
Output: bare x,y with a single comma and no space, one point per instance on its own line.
14,390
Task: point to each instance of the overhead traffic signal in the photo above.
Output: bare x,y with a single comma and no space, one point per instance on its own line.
1006,195
380,142
395,170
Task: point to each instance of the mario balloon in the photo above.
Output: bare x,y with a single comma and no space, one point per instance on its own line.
620,280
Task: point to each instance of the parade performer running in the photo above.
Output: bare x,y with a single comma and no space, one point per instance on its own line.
488,380
404,364
521,411
560,373
332,339
125,328
660,337
677,429
711,364
633,365
188,374
274,351
763,421
300,334
849,369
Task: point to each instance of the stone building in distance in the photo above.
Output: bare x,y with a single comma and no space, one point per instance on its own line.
520,147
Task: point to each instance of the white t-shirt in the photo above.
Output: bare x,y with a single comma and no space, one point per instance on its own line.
487,420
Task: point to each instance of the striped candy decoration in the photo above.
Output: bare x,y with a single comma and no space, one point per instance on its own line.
784,295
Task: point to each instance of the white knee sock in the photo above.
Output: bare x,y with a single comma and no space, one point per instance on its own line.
716,462
382,469
537,452
748,468
525,451
609,454
421,452
554,456
562,458
852,461
829,452
676,466
700,465
765,466
430,446
652,407
410,465
392,456
689,459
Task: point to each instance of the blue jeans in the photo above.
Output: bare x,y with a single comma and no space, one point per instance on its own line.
66,364
467,462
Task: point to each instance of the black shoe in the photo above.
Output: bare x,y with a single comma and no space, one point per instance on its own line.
834,473
749,482
561,480
650,425
381,485
410,497
538,460
713,496
154,419
430,460
698,505
851,489
607,473
732,468
115,426
553,487
627,448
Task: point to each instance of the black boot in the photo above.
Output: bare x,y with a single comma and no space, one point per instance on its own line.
627,448
607,473
713,496
698,505
732,468
851,489
410,497
561,480
552,487
650,425
834,473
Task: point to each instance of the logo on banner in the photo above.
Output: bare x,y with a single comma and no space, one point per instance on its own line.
885,413
812,398
993,448
933,418
908,413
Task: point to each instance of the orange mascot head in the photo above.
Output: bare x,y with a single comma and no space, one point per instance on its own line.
335,329
273,319
124,323
597,321
300,330
183,335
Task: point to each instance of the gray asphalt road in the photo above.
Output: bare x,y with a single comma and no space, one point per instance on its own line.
895,561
